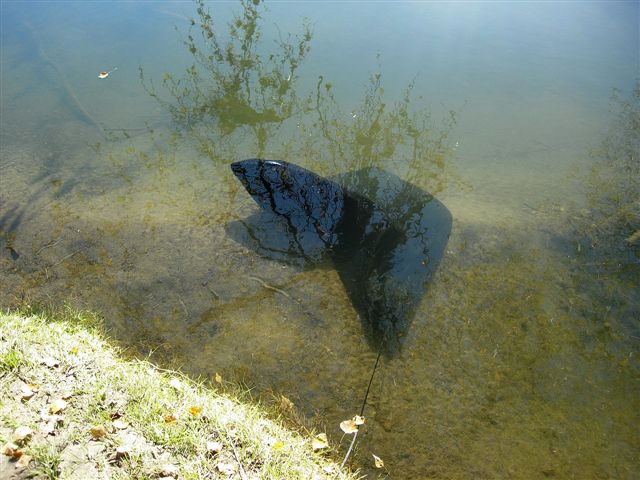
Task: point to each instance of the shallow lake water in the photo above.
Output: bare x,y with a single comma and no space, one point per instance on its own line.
520,360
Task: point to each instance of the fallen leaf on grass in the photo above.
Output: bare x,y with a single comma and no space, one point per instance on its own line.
98,431
119,424
377,461
50,362
226,468
51,422
122,451
23,461
214,448
57,406
28,390
66,395
11,450
169,470
320,441
195,410
21,433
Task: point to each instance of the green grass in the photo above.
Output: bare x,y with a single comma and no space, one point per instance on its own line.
102,387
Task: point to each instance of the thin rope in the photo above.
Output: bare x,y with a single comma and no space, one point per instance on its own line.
364,404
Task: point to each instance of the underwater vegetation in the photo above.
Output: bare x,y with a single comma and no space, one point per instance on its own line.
605,235
614,190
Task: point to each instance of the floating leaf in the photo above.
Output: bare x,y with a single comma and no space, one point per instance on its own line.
320,441
23,461
175,383
214,448
21,433
57,406
377,461
170,418
98,431
349,426
195,410
286,403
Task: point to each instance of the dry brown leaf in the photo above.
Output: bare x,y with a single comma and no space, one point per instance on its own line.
320,441
377,461
50,362
123,451
21,433
66,395
57,406
11,450
286,403
226,468
195,410
28,390
169,470
348,426
23,461
51,422
98,431
48,428
170,418
214,448
119,424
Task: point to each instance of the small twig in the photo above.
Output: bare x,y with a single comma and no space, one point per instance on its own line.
269,287
48,245
243,474
353,442
67,257
186,312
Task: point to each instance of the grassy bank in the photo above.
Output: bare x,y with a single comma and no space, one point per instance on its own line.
71,406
